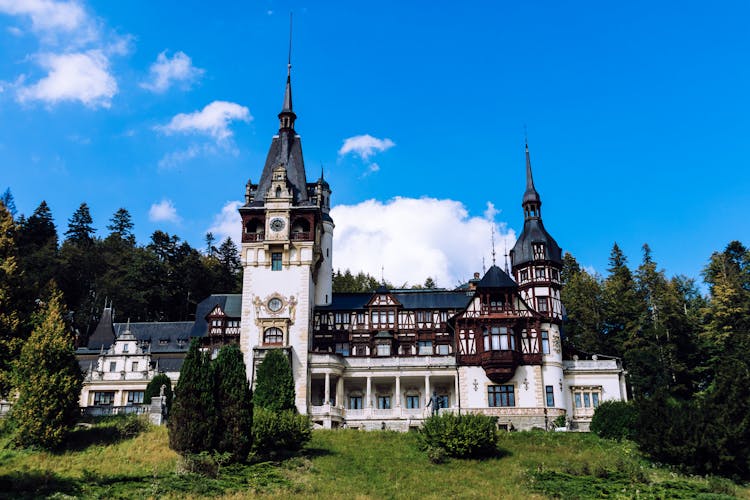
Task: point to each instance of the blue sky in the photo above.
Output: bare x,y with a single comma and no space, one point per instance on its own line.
637,117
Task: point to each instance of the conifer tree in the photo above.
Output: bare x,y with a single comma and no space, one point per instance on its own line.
231,269
10,338
582,296
10,203
121,224
233,404
192,423
80,230
153,389
274,383
48,380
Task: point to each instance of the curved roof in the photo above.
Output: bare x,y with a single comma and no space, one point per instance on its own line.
496,278
534,232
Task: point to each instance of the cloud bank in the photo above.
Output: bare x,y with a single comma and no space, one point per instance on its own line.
213,120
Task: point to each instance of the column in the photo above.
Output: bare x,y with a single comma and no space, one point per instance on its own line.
455,395
368,403
327,391
340,392
427,391
398,391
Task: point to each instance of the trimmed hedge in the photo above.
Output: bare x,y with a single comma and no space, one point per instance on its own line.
278,433
615,420
461,436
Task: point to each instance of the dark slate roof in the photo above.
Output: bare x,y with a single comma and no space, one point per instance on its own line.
530,195
418,299
285,148
176,334
496,278
534,232
103,335
170,364
230,303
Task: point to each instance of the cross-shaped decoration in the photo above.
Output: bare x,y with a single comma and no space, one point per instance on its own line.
476,385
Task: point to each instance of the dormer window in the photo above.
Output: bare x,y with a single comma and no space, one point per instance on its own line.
538,249
278,192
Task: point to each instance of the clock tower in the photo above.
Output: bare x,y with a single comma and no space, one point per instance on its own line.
286,253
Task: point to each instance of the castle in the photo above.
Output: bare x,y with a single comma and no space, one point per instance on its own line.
387,358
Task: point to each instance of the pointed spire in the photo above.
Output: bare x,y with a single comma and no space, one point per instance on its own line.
287,116
531,201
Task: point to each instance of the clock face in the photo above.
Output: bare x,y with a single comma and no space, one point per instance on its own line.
277,224
274,304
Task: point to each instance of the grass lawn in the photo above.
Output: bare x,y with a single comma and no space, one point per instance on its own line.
353,464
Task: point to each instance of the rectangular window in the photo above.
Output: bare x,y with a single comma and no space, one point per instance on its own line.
342,348
384,402
125,347
276,261
524,275
384,349
412,402
360,318
134,366
539,273
587,400
135,397
104,398
578,400
595,399
549,390
501,395
425,347
355,402
443,349
555,274
545,342
542,304
113,366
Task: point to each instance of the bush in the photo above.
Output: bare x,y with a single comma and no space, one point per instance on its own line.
274,382
278,433
615,420
202,464
234,408
154,389
129,426
461,436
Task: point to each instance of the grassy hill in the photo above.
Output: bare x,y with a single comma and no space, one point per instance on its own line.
353,464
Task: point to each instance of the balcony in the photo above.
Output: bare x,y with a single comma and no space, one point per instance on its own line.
102,410
500,365
301,236
250,237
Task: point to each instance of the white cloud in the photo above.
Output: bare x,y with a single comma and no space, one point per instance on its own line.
227,223
415,238
48,15
82,76
164,211
213,120
165,72
14,31
365,146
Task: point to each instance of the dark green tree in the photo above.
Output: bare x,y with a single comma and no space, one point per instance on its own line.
192,424
153,389
210,240
274,383
10,203
80,229
234,405
48,380
121,225
582,295
229,280
10,324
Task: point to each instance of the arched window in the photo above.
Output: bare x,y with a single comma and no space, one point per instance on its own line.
273,336
278,192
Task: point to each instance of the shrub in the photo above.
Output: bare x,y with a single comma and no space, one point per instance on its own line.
201,463
276,433
274,383
615,420
461,436
436,455
154,389
129,426
234,408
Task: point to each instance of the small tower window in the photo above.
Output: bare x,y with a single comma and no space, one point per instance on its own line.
273,336
278,192
538,249
276,261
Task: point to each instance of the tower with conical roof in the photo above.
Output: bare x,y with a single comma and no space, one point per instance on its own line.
287,240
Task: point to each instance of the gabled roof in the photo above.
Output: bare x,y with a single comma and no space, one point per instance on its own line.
230,303
104,334
417,299
496,278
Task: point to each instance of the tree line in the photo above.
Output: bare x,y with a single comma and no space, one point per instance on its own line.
162,280
686,354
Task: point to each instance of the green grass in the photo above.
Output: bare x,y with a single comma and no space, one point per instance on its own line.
352,464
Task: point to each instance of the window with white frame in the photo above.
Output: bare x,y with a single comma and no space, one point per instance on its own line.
273,335
135,397
104,397
586,399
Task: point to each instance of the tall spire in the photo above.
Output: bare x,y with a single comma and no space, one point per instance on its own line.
531,203
287,116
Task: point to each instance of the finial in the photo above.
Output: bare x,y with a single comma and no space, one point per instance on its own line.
493,243
289,59
505,245
526,136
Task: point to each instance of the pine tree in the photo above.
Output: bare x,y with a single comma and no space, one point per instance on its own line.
623,308
10,203
48,380
10,335
233,404
121,224
80,230
582,295
274,383
192,424
231,269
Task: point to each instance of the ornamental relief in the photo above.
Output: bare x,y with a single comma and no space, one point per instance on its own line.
275,305
556,343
